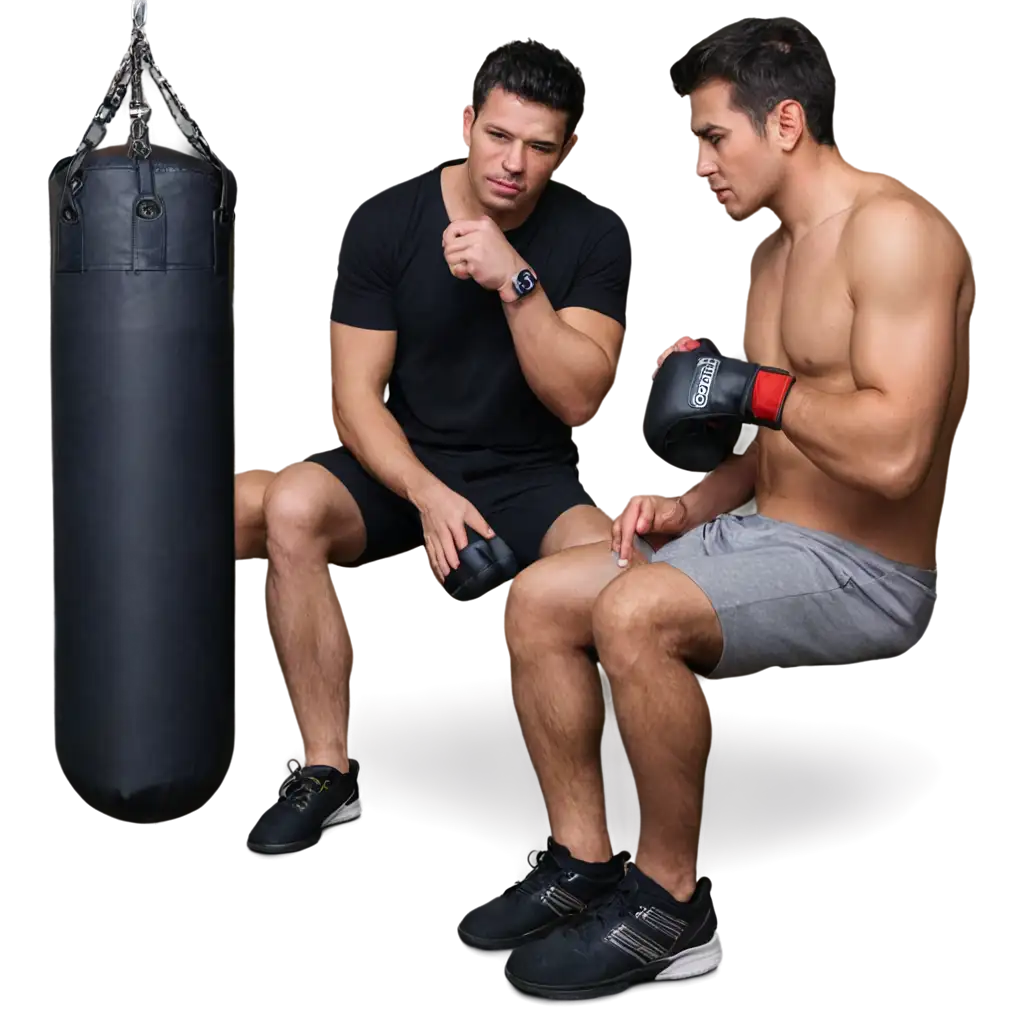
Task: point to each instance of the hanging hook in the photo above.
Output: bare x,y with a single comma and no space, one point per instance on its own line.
139,11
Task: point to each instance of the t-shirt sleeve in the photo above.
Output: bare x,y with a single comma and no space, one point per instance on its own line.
602,278
364,291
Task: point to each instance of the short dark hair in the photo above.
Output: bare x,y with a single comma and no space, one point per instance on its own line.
535,73
766,60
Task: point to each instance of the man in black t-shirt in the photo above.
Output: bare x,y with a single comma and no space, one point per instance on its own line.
490,302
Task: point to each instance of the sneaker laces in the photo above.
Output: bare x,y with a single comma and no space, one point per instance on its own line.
543,865
298,788
604,911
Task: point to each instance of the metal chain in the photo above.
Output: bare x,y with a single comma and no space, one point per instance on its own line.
138,58
138,135
183,116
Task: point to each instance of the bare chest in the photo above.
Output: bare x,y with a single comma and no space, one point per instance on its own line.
800,314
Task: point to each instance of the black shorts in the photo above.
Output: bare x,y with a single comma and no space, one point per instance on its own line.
519,495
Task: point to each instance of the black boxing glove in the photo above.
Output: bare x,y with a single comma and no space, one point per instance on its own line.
690,445
707,382
483,565
700,399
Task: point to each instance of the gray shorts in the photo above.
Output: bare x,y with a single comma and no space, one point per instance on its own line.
787,596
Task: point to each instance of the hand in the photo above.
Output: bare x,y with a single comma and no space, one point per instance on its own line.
444,515
682,345
647,515
478,249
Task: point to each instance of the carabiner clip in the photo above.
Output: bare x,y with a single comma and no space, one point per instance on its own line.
139,13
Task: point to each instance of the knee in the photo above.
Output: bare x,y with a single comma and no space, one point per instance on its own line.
295,510
250,529
248,504
629,620
250,489
527,607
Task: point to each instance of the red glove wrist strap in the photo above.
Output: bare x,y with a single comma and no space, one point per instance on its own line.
770,389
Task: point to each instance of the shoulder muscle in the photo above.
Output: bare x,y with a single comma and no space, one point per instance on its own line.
899,251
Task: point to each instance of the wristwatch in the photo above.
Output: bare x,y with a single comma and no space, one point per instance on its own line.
524,282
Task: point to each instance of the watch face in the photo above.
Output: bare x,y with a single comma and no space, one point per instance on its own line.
525,282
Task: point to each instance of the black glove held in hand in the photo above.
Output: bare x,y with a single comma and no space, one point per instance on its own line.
483,565
719,386
700,399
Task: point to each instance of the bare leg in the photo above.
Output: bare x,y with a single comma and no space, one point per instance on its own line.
250,523
557,689
575,527
311,520
647,626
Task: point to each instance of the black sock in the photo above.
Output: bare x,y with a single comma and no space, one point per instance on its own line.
599,870
647,885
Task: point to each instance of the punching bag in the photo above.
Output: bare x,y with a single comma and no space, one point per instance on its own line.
143,462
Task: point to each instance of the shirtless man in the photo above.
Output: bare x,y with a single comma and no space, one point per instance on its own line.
490,300
864,293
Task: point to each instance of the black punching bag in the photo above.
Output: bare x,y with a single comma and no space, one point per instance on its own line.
143,463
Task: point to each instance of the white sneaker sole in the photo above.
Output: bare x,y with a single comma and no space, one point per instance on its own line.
346,812
691,962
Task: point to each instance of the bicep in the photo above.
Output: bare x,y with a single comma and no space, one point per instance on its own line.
361,360
904,285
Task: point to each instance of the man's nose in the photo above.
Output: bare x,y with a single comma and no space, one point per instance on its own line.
513,159
702,168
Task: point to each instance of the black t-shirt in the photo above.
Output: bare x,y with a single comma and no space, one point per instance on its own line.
456,380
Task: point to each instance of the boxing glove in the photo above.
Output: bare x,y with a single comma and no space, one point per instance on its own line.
483,565
700,399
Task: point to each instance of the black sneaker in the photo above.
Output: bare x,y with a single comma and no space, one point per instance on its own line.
637,933
558,887
310,799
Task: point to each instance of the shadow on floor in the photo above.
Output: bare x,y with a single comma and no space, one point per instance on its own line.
763,791
445,768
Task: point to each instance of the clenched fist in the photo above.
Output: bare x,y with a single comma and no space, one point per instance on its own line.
478,249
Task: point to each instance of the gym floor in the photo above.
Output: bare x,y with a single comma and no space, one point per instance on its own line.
834,897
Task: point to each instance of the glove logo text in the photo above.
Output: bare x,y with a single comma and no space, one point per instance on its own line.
703,378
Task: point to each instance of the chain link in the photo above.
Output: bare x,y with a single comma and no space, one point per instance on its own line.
129,75
141,102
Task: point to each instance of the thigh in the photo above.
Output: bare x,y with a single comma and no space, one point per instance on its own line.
784,600
578,526
392,524
524,503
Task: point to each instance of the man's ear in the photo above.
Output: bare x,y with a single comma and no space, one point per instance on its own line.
790,124
464,118
569,148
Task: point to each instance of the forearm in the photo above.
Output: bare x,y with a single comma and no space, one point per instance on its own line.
859,438
725,488
566,370
368,429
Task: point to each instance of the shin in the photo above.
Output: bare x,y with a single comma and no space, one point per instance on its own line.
308,515
648,626
557,690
